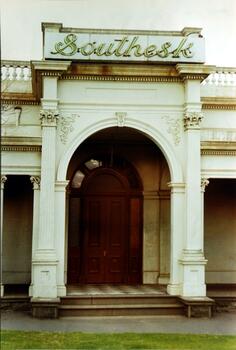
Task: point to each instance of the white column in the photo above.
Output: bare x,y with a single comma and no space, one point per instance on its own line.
193,260
60,234
177,231
3,180
45,259
35,231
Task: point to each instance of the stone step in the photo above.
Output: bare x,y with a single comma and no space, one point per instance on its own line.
118,299
120,310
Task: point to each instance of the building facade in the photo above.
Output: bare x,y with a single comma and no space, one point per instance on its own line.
118,170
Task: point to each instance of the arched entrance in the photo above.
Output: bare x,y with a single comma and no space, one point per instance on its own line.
105,222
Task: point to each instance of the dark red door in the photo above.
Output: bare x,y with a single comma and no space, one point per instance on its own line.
106,245
104,248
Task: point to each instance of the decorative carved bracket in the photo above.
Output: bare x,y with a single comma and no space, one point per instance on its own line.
36,182
204,183
3,180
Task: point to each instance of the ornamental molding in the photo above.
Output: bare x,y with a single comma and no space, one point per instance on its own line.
148,79
36,182
212,152
121,117
174,128
14,101
20,148
192,120
66,127
49,117
204,183
230,107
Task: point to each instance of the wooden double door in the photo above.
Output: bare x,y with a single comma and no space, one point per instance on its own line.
110,244
105,239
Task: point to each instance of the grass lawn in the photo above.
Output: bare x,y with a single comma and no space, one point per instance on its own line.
50,340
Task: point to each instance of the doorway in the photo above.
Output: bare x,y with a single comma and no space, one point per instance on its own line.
105,224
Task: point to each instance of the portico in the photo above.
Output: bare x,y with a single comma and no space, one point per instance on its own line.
117,174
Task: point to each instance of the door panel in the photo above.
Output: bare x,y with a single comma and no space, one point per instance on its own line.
93,249
115,242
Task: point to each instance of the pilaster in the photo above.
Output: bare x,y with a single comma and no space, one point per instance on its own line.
164,219
35,180
60,234
192,259
3,180
177,231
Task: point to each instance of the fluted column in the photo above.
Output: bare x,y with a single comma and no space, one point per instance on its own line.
35,180
3,180
177,204
45,259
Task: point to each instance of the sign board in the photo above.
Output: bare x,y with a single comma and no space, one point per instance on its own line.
124,46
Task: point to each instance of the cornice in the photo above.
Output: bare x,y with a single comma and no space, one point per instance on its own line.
58,27
218,145
21,141
19,99
218,103
194,71
21,144
218,148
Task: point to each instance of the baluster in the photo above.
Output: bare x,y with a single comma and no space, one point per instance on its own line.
214,79
14,73
21,73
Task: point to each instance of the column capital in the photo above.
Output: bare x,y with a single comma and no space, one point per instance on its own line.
49,117
204,183
192,120
36,182
3,180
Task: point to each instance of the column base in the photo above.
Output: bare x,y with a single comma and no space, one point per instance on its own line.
164,279
193,284
173,289
45,308
44,284
61,291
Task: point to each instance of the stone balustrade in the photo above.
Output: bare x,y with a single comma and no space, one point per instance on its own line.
222,77
15,70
